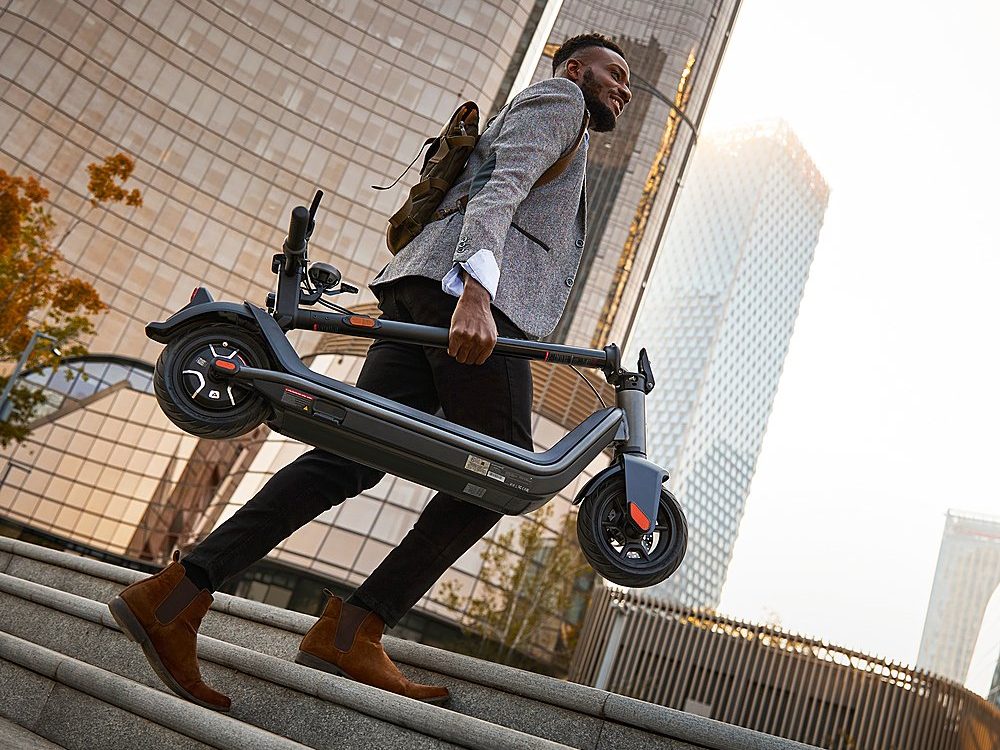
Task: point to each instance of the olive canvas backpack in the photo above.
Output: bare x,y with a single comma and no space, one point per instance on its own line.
444,161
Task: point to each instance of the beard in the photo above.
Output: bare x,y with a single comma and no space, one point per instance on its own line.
602,117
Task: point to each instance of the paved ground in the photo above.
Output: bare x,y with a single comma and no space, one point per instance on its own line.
14,737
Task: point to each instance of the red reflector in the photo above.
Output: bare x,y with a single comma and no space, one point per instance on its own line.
362,321
194,293
639,517
225,364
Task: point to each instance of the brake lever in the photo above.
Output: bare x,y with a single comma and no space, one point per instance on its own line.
312,213
646,370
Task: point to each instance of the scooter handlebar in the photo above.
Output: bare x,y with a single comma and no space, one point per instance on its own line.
298,229
376,328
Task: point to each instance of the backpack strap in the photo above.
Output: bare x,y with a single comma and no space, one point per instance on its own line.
563,161
557,168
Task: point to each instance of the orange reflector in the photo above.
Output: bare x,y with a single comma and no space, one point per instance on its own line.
361,320
639,517
225,364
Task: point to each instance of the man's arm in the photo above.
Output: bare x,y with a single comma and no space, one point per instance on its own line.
473,332
541,124
535,132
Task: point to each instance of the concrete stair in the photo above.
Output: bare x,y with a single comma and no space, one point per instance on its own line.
69,677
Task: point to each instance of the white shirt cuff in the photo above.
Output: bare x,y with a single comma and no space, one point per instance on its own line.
482,267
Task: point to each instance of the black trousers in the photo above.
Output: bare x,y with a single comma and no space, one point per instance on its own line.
493,398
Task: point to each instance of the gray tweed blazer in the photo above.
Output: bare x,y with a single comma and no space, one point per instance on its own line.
536,237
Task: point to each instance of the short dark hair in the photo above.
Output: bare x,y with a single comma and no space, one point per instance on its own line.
571,46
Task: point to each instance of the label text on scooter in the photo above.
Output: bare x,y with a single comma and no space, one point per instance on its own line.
475,490
477,464
503,474
518,480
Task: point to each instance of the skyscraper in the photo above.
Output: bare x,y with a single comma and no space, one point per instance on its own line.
235,112
983,673
717,316
966,578
994,694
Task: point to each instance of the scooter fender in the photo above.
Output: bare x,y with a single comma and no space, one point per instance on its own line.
643,480
203,310
596,481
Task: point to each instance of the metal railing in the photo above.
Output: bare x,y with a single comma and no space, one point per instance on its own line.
770,680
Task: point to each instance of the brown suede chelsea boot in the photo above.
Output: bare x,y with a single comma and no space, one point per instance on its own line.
162,614
347,641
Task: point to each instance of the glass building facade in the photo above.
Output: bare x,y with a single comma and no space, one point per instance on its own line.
728,282
234,112
966,579
674,48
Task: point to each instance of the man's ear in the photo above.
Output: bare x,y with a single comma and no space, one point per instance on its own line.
574,70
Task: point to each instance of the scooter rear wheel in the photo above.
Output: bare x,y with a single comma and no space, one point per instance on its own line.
617,550
195,401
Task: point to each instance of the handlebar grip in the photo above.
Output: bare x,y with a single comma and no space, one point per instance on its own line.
298,227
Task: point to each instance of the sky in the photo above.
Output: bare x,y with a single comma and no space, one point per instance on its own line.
888,408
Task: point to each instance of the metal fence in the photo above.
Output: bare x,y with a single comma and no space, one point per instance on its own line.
773,681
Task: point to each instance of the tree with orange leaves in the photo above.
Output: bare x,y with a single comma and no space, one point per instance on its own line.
36,293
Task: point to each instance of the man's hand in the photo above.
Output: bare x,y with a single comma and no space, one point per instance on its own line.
473,332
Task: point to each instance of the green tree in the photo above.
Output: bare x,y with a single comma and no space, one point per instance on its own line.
534,577
36,292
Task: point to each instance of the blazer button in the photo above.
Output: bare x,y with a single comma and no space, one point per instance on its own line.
569,281
579,243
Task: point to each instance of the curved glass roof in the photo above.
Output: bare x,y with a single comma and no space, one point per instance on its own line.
78,378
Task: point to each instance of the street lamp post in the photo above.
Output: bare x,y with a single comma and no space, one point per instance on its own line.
643,85
6,406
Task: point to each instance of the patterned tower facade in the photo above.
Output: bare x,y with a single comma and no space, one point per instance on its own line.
965,580
674,49
717,317
235,112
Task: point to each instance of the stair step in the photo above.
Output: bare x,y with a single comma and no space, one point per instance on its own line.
240,633
78,705
15,737
314,708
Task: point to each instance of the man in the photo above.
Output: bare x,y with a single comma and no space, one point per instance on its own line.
503,265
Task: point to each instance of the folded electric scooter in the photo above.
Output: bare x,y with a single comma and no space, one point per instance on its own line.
228,367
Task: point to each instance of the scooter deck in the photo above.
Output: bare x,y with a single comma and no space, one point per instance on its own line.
424,448
412,444
395,438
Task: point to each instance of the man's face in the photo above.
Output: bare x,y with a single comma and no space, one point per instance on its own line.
603,76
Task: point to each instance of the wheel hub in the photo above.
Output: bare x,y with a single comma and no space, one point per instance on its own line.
202,385
623,537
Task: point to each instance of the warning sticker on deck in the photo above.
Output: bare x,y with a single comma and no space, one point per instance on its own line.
298,400
474,490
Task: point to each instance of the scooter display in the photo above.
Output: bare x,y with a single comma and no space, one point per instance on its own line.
226,368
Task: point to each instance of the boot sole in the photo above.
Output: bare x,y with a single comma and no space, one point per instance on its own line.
314,662
134,631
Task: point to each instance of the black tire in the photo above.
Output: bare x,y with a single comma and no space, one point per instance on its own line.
176,391
617,550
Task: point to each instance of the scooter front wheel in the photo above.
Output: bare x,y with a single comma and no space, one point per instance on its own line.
196,401
616,548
